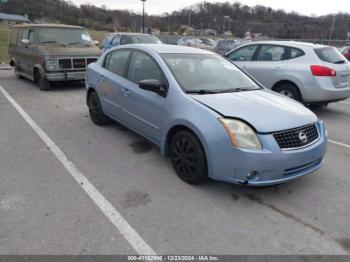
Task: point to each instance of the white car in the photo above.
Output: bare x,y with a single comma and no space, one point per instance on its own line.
305,72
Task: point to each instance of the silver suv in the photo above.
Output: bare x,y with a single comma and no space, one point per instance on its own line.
305,72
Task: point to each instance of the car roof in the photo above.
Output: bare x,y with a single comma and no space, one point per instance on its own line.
287,43
167,49
127,33
48,26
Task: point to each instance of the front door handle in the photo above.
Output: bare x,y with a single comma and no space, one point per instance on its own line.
126,91
101,77
244,66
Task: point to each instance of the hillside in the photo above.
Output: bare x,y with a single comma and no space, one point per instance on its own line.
273,23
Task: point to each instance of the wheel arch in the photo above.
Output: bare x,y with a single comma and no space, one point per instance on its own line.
177,128
287,82
38,69
89,91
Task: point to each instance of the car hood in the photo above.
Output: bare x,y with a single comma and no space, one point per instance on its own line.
265,110
70,51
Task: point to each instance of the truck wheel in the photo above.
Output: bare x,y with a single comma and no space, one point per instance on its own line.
44,84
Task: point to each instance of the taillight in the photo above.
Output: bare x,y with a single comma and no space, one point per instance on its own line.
322,71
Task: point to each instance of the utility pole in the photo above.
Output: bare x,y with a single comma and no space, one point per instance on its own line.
143,16
331,33
189,18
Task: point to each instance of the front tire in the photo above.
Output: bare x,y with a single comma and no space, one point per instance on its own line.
44,84
188,158
95,110
289,90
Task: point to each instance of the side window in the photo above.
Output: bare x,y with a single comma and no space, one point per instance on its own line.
116,61
116,40
243,54
272,53
14,37
23,34
124,40
294,53
143,67
31,37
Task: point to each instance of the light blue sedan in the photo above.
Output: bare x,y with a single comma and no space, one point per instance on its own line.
208,116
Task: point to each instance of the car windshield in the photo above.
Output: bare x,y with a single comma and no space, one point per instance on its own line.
330,55
144,39
64,36
205,74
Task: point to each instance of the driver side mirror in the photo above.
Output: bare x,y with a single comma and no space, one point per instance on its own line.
96,42
152,85
25,42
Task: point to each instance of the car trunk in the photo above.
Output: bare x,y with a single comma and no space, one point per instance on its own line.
339,67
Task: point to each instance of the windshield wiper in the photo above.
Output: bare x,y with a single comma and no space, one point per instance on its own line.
51,42
77,43
219,91
201,92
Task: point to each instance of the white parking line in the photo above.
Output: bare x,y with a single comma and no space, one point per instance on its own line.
129,233
339,143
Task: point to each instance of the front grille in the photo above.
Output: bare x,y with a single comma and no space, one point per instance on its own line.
75,63
65,63
79,63
296,138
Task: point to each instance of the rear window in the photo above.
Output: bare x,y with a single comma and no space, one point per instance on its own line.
330,55
140,39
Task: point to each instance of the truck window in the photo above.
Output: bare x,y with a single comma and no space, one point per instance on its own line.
14,37
31,37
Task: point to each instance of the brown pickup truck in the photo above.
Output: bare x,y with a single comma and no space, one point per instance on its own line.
51,52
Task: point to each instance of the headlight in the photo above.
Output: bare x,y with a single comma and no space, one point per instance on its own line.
51,64
241,135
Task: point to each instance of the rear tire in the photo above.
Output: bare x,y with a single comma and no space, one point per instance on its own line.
95,110
188,158
44,84
290,91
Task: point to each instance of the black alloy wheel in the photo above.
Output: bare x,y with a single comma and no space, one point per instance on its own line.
188,158
95,110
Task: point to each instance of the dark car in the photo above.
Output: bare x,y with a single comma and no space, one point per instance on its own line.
116,39
225,46
346,52
46,53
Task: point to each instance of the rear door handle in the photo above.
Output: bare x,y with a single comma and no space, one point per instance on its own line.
244,66
101,77
126,91
277,67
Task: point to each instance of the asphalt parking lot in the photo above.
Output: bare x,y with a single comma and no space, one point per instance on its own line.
118,195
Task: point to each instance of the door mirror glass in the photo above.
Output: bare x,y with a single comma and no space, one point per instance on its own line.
152,85
25,42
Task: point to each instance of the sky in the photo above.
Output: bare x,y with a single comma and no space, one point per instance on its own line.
305,7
